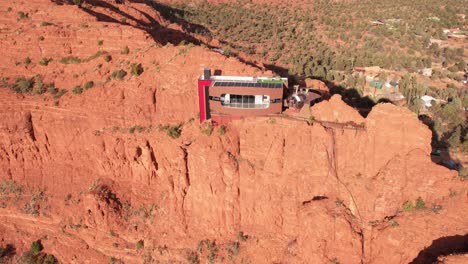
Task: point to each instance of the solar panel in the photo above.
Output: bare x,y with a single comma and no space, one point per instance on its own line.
248,84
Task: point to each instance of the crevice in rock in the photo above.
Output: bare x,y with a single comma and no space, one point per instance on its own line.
187,186
315,198
457,244
30,127
153,158
355,227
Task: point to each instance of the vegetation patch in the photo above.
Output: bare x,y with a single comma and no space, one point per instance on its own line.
136,69
77,90
408,206
45,24
60,93
172,131
22,15
125,50
88,85
27,61
118,74
45,61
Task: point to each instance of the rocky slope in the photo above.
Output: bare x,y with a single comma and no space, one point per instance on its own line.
96,177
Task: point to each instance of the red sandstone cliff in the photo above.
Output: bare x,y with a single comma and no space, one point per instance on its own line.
110,176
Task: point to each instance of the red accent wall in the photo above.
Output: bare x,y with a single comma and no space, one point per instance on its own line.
202,99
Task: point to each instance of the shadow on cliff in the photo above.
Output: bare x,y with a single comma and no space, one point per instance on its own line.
158,32
8,252
441,247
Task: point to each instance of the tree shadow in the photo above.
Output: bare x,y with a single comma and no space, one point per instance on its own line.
440,148
158,32
9,251
442,247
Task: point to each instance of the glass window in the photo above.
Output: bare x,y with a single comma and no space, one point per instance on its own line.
245,101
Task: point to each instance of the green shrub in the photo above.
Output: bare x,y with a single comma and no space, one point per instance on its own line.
50,259
100,42
77,90
39,87
221,130
174,131
192,258
89,85
107,58
310,120
36,247
420,204
393,223
27,61
60,93
45,24
241,236
45,61
70,60
206,128
51,89
408,206
22,15
125,50
136,69
140,244
119,74
23,85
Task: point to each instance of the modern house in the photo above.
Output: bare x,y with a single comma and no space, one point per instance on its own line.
225,98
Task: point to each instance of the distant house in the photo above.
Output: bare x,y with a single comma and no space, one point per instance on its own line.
376,84
377,23
393,20
426,72
451,30
428,100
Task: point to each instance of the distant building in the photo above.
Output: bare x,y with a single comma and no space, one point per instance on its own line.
224,98
426,72
377,23
428,100
451,30
376,84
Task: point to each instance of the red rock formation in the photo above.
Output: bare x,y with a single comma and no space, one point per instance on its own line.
112,176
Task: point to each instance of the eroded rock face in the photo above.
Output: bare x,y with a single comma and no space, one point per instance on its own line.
113,176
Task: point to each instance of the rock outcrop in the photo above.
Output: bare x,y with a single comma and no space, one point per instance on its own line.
110,176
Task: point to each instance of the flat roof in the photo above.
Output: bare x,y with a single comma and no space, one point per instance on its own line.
248,79
275,85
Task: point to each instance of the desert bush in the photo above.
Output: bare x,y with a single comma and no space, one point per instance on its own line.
174,131
88,85
36,247
60,93
23,85
45,61
70,60
420,204
22,15
45,24
100,42
77,90
119,74
221,130
125,50
136,69
107,58
408,206
27,61
140,244
192,258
